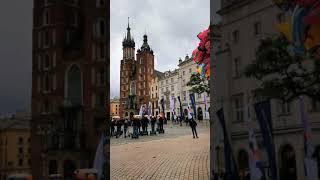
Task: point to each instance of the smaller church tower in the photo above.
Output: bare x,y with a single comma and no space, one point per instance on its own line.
128,45
145,65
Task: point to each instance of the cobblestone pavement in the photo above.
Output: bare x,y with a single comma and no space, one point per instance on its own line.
173,156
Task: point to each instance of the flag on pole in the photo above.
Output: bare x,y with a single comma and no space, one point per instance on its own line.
310,163
189,113
193,103
172,104
149,110
99,159
230,163
263,111
181,110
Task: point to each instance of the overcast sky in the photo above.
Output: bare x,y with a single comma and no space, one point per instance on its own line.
171,25
15,54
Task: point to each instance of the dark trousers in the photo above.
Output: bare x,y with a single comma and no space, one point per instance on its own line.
194,132
160,126
152,127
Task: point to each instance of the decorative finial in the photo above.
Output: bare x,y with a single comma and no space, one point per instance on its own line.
128,22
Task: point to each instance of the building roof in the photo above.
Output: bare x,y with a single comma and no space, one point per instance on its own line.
6,124
158,74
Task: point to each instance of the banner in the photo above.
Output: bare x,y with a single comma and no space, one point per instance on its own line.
181,110
162,104
263,111
149,110
99,159
193,103
230,163
255,160
141,112
311,167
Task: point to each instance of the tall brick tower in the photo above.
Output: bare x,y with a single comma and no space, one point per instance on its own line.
69,84
135,75
145,64
127,70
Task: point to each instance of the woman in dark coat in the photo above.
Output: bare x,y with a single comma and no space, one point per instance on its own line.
193,125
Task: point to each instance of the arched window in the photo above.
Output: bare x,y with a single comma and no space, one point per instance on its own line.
53,167
74,85
243,160
287,163
46,17
46,83
46,62
100,3
100,28
68,169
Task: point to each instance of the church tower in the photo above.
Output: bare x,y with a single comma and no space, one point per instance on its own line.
127,74
145,65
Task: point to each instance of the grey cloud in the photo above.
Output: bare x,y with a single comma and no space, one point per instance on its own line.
172,27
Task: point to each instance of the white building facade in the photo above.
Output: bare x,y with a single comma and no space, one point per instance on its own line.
241,27
174,84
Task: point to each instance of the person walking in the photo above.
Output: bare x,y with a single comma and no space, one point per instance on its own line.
193,125
112,127
125,128
161,120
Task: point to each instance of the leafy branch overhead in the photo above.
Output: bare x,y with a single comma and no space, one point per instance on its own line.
283,75
198,84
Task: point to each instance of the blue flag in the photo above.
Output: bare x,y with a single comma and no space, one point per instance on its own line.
181,111
193,104
263,111
230,163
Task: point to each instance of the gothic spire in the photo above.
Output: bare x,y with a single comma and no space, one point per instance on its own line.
128,40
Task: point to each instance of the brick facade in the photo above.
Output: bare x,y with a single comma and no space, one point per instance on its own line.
69,84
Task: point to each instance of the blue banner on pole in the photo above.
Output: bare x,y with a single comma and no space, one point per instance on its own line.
263,111
181,110
230,163
193,104
162,104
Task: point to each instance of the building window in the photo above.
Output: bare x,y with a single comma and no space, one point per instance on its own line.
46,63
171,80
284,107
46,17
238,108
315,105
20,151
20,141
257,28
184,95
183,73
236,67
156,88
46,83
235,36
190,70
199,96
184,82
172,88
167,89
46,38
20,162
156,95
281,18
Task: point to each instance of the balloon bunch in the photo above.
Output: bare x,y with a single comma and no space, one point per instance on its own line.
201,55
303,31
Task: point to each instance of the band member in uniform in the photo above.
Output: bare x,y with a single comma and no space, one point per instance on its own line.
118,124
153,122
112,127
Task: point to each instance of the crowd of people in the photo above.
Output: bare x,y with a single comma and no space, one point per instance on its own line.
120,126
